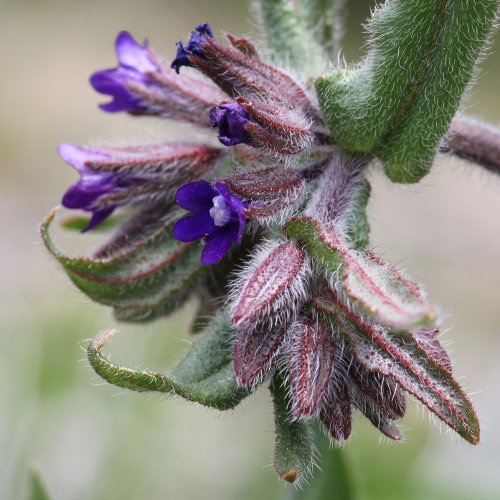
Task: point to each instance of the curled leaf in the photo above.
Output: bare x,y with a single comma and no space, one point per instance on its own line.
205,376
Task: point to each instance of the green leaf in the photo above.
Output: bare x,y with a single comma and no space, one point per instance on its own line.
401,101
36,488
294,450
289,40
142,281
407,363
205,376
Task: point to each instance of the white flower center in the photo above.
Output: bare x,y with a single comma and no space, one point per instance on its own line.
221,211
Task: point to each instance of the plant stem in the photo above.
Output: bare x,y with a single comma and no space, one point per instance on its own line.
474,141
333,481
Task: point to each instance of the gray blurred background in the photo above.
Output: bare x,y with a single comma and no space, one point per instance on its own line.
92,441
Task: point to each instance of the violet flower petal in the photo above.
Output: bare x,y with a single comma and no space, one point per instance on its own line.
193,227
196,196
133,55
219,243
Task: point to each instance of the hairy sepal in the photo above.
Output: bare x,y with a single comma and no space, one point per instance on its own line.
401,358
205,376
376,285
256,350
277,128
395,104
311,361
294,447
271,284
335,411
379,398
267,190
159,169
141,282
240,75
182,97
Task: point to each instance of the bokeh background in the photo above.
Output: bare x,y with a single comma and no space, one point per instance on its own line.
92,441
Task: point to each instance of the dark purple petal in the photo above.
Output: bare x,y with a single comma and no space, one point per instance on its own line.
196,196
97,217
86,191
193,47
193,227
113,82
218,243
231,119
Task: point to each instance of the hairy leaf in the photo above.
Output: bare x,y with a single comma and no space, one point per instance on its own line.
141,282
205,376
321,17
401,101
291,43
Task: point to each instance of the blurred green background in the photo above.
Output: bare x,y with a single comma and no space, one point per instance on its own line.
93,441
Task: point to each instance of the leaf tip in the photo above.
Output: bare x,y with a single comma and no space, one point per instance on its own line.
101,338
290,476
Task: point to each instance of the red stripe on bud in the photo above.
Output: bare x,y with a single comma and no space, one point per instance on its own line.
310,366
254,352
273,280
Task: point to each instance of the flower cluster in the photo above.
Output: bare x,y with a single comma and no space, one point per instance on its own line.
308,306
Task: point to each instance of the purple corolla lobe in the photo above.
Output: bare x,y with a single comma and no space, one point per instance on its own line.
231,119
217,217
193,47
134,64
93,185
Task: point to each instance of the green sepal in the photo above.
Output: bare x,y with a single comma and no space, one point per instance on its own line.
288,39
401,101
294,448
205,376
308,231
142,281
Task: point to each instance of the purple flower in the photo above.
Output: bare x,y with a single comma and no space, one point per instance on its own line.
218,217
134,64
193,47
231,119
93,185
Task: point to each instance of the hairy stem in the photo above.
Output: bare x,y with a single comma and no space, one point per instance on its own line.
474,141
